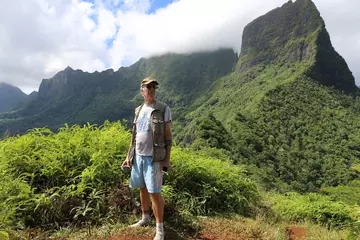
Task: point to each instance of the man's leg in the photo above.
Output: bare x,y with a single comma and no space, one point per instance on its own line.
145,205
137,181
158,208
144,200
153,177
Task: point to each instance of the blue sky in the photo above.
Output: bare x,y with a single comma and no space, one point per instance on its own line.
154,6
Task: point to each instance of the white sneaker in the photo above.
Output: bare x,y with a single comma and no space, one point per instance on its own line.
159,236
141,223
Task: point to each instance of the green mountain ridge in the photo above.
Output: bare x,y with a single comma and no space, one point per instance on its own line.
79,97
292,123
11,97
287,106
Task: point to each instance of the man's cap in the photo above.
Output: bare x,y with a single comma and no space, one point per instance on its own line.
148,80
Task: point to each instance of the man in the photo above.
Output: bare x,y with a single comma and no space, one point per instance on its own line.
152,140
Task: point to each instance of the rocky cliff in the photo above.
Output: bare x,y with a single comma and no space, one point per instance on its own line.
291,34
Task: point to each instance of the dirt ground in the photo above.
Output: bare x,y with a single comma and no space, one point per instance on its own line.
215,229
206,234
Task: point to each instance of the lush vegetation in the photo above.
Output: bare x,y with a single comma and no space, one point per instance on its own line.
349,194
74,178
312,207
306,135
56,179
283,117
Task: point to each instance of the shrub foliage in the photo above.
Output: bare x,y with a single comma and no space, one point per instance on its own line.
74,177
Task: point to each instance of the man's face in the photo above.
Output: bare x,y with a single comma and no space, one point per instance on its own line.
149,91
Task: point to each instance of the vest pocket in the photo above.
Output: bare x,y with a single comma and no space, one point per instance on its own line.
159,152
158,126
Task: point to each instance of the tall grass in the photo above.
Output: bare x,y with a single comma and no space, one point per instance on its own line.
312,207
74,178
203,185
60,179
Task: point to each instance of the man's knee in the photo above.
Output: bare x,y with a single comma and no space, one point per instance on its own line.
156,196
144,190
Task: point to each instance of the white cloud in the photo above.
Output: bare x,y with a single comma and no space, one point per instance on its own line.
185,26
106,28
40,37
137,5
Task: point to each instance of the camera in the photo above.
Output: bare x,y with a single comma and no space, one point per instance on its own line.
126,168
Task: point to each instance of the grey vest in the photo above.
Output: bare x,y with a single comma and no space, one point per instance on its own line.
157,123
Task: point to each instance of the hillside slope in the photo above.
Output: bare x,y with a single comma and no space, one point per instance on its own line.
290,110
11,97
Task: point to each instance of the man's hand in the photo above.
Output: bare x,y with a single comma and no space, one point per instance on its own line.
126,163
166,163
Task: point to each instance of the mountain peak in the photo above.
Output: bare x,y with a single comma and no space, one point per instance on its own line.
63,74
10,96
295,33
271,37
10,87
4,84
68,68
58,84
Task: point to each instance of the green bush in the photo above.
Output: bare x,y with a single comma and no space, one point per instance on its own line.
74,177
205,185
54,179
354,233
4,235
311,207
349,194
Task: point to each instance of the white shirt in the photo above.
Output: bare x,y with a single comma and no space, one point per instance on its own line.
144,139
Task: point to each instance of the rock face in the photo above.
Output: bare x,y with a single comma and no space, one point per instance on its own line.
294,33
329,67
74,96
60,85
10,97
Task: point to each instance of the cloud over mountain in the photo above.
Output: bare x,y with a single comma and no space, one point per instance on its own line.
41,37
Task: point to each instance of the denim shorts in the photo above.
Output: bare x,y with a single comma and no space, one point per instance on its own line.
145,174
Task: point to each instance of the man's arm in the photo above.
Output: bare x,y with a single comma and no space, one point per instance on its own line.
127,162
168,142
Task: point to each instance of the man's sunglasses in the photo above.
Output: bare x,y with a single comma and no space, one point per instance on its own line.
149,86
